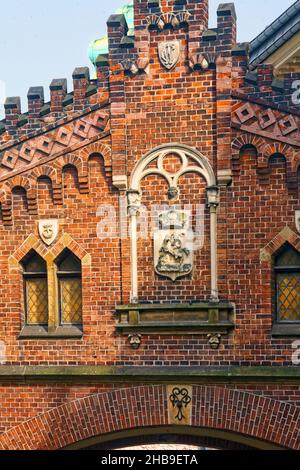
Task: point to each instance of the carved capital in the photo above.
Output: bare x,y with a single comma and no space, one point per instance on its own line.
134,201
213,199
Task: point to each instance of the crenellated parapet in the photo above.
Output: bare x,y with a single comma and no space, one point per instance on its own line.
64,135
255,102
63,105
160,18
262,83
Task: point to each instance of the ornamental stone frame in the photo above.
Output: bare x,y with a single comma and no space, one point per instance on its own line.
143,168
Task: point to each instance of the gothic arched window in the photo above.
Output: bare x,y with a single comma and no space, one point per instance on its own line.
287,285
69,288
35,289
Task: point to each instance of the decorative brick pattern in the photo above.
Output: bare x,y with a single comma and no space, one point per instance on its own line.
63,139
145,406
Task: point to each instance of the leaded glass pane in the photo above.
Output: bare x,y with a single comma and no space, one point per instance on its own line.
34,264
70,264
37,301
289,257
71,300
288,297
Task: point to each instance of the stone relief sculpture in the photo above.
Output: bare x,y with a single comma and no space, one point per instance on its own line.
173,245
48,230
173,239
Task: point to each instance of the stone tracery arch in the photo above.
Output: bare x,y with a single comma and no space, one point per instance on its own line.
192,161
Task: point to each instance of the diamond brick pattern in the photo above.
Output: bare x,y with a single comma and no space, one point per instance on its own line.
40,147
267,122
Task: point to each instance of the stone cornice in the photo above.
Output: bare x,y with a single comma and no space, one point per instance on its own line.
163,374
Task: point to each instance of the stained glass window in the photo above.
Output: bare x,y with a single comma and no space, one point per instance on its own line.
287,276
36,289
70,288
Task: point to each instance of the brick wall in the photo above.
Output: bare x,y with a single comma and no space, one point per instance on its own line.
188,105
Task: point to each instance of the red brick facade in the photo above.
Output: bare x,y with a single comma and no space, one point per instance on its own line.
74,158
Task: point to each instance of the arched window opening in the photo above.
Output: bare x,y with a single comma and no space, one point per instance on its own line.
287,285
69,288
35,289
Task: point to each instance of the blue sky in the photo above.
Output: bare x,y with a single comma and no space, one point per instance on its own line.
42,40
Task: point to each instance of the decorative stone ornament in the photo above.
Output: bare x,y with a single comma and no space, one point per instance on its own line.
135,341
169,53
48,230
297,220
134,201
173,245
214,340
179,404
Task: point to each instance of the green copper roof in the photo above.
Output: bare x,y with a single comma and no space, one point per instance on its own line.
100,46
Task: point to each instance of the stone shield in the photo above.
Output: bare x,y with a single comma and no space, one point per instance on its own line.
48,230
169,53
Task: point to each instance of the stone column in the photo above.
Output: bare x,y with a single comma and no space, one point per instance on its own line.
213,203
134,200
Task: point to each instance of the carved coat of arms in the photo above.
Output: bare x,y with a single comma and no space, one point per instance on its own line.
169,53
48,230
173,245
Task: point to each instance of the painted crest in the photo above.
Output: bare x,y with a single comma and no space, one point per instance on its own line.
48,230
169,53
297,220
173,245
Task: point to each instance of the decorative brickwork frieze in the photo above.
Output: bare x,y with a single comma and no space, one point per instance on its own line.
267,123
59,141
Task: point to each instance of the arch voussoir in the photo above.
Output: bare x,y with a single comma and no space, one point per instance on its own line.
146,406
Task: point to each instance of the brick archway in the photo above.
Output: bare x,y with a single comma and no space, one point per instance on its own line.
145,406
